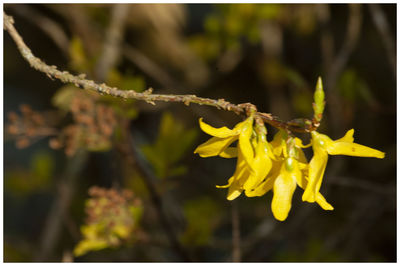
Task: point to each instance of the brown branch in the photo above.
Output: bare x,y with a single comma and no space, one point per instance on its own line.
52,230
383,27
148,66
81,82
112,43
53,30
236,252
133,158
334,66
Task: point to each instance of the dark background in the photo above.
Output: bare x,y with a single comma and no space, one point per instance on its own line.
269,55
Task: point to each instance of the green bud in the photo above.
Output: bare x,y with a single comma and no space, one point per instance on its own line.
319,100
289,164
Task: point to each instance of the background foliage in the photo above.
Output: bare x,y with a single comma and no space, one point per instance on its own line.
269,55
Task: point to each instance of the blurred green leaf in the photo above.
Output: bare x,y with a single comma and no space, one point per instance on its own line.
206,47
63,97
23,182
212,24
14,253
348,85
295,77
42,166
268,11
302,102
314,250
78,59
201,217
172,142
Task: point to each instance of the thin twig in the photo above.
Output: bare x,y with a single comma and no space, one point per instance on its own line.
112,43
48,26
148,66
132,156
52,229
351,38
236,252
382,25
333,63
81,82
81,25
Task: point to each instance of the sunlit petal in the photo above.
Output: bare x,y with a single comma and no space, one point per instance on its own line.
348,137
244,143
316,172
299,143
239,177
278,143
353,149
230,181
234,191
268,183
214,146
221,132
284,187
302,183
323,203
261,164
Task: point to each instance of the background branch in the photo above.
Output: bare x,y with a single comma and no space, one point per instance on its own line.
53,30
382,25
236,253
112,42
52,228
132,157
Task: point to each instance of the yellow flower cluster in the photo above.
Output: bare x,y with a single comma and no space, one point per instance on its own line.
279,165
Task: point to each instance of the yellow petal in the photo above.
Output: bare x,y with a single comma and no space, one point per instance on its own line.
302,158
302,182
214,146
348,137
322,202
262,188
268,183
300,144
278,143
284,187
316,171
353,149
227,185
236,187
230,152
234,191
261,164
239,177
244,144
221,132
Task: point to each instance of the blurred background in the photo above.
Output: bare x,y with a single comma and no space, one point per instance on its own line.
75,163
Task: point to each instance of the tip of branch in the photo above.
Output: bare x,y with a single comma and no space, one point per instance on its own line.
7,20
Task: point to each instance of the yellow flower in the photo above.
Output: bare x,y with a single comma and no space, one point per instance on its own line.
245,177
322,146
288,170
223,137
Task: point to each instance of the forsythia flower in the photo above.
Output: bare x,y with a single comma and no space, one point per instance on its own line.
223,137
322,146
247,178
289,170
253,164
280,165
